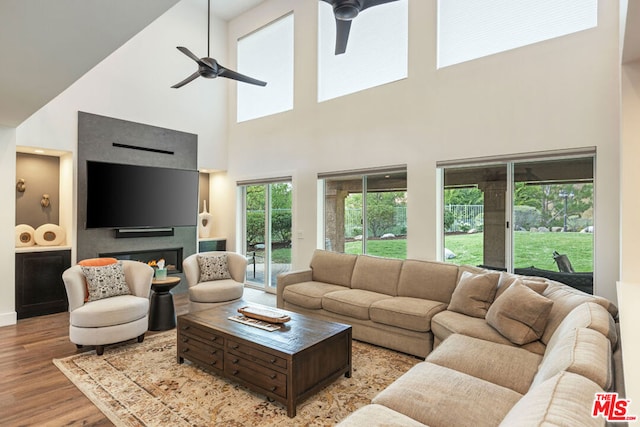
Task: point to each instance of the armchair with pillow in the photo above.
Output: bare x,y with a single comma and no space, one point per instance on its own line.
214,278
108,301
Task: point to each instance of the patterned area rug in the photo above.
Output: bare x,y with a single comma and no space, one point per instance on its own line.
143,385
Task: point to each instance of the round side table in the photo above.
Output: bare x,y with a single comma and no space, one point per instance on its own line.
162,314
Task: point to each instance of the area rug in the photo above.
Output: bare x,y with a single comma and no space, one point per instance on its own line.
143,385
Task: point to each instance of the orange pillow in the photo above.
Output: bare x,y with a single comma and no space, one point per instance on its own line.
97,262
94,262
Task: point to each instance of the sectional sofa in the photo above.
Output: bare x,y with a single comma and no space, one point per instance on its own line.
509,349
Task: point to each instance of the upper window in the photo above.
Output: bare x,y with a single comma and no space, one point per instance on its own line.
377,50
266,54
470,29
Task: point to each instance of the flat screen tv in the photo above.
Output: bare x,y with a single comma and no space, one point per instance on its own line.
133,196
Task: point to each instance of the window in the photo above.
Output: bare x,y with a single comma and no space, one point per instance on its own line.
377,52
515,214
266,230
267,55
366,212
470,29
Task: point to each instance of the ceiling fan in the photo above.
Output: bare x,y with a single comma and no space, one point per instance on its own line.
209,67
345,11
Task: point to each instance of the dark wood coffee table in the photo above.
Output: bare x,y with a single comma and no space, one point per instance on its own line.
287,365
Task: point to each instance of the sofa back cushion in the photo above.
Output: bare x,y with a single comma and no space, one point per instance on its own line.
565,299
582,351
332,267
428,280
376,274
563,400
588,315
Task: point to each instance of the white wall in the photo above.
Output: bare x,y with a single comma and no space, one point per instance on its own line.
557,94
134,83
629,288
7,225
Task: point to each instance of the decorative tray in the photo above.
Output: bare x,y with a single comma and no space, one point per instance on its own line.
264,314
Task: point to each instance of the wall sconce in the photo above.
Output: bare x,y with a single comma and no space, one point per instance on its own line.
45,202
21,186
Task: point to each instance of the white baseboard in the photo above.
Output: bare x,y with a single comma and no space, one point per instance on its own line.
10,318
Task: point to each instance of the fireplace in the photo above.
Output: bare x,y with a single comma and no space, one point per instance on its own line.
171,256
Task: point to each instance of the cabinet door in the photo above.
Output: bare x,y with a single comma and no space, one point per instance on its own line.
39,286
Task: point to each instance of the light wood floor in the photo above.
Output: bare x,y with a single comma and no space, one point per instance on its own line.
33,392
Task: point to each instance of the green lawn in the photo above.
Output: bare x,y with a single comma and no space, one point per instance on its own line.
531,249
386,248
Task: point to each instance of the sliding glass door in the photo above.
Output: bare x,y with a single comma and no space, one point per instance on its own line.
266,227
365,212
519,214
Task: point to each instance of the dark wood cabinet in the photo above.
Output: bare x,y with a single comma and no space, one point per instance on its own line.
212,245
39,286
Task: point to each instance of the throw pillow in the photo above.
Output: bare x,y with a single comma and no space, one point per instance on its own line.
94,262
538,284
474,293
213,267
105,281
520,314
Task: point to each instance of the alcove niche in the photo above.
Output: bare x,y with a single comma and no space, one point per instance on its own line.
45,174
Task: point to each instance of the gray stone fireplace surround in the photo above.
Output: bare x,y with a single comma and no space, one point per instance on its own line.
112,140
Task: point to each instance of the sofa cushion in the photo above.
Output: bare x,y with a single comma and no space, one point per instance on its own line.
216,291
563,400
520,314
500,364
582,351
408,313
112,311
538,284
213,267
332,267
474,293
448,322
351,302
376,274
565,299
309,294
588,315
378,416
428,280
440,397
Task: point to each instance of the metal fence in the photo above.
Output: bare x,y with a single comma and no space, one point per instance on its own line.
466,217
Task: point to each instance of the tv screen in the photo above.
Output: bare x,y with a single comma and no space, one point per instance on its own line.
132,196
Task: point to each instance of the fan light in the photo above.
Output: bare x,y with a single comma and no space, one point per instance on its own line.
346,12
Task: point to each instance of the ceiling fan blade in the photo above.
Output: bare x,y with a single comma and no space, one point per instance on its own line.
230,74
187,80
370,3
192,56
342,36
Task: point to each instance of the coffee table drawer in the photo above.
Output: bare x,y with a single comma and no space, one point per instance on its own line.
256,374
212,358
197,332
255,355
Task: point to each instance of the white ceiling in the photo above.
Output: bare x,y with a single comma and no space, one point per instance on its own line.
47,45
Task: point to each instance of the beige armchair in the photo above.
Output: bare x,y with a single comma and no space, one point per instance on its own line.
209,293
109,320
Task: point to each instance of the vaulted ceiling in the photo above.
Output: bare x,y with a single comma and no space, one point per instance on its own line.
46,45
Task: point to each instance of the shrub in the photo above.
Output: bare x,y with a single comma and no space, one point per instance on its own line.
525,217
